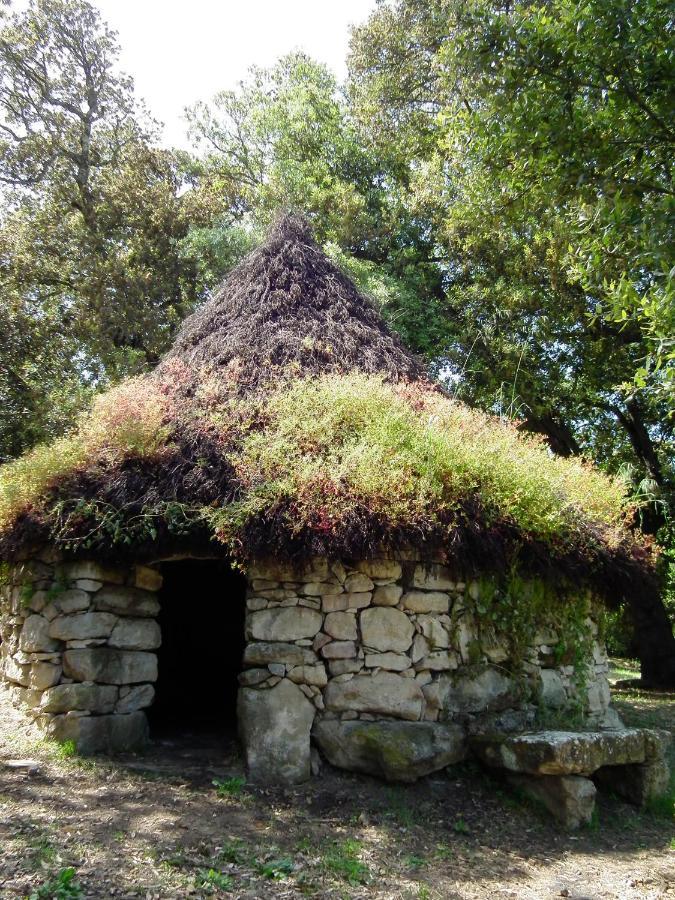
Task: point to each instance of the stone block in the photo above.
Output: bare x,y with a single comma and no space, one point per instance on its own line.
136,634
434,632
569,798
101,734
82,626
426,601
286,624
344,666
386,694
314,675
358,583
274,727
358,599
35,637
552,691
485,691
320,589
95,698
395,751
88,584
394,662
598,695
380,569
339,650
438,661
433,578
134,698
43,675
341,626
253,676
127,601
147,578
261,654
108,666
387,595
19,674
384,628
90,569
277,570
72,601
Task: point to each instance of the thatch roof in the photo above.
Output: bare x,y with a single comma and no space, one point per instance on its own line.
288,309
288,419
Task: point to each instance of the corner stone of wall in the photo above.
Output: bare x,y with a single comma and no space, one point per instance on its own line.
77,649
394,644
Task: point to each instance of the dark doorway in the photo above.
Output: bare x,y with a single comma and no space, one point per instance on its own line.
202,609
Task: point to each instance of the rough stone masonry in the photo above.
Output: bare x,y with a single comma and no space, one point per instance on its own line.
382,662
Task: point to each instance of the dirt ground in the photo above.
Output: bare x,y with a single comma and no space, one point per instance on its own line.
156,826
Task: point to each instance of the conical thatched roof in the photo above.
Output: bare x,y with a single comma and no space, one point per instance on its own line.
288,309
288,420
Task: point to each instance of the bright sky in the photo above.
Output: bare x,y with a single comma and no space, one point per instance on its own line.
181,51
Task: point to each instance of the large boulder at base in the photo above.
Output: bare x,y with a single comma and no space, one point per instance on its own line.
109,666
569,798
384,694
395,751
101,734
274,727
569,752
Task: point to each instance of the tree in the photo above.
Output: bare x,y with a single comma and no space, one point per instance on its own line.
93,218
524,174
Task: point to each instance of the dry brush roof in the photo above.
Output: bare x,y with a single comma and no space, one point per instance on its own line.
288,419
288,309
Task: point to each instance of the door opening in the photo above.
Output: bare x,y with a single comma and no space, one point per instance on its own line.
202,611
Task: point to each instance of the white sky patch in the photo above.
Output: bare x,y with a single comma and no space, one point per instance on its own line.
181,51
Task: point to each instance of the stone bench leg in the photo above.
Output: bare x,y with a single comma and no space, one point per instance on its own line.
635,783
569,798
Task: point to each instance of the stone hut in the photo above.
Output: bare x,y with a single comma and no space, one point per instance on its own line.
194,549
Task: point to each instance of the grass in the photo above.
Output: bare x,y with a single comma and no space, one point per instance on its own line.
210,878
61,887
412,454
229,787
343,860
127,420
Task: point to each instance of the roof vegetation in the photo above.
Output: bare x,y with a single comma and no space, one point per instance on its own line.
289,421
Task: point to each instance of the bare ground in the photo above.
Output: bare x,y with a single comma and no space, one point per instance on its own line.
155,826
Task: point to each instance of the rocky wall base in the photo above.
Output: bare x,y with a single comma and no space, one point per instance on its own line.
77,650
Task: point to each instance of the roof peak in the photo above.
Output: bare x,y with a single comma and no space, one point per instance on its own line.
287,308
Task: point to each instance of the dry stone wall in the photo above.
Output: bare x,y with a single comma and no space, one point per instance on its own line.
393,660
382,661
77,649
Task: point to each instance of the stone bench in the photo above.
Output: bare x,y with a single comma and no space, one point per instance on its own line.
561,769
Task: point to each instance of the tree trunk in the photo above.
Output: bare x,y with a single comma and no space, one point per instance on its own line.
558,435
653,640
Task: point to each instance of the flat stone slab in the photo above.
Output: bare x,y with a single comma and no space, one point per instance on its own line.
569,752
